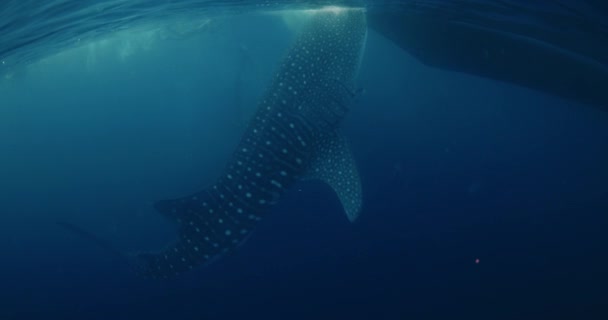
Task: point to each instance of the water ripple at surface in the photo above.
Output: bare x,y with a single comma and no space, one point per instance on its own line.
31,30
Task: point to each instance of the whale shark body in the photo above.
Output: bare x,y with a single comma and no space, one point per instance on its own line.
292,136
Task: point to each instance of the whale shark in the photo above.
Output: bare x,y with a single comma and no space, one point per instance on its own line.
292,136
569,65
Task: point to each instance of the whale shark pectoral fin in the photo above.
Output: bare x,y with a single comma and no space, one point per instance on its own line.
334,164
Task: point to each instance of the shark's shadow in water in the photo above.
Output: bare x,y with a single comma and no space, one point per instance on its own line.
293,135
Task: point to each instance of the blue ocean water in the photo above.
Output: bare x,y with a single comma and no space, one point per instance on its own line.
482,199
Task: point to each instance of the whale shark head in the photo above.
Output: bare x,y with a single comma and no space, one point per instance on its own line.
317,75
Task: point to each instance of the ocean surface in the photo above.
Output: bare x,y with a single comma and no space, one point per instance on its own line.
482,199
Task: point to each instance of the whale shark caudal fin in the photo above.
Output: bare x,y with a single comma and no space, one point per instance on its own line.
129,260
207,227
334,165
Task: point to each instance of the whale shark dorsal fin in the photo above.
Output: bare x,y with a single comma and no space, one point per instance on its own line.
333,164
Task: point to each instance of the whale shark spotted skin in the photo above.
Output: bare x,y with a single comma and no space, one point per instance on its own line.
292,136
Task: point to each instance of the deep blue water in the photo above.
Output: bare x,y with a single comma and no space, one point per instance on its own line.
455,168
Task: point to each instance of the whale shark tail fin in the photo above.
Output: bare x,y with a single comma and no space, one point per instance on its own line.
209,225
99,242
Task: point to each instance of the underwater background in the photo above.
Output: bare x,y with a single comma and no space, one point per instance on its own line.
482,199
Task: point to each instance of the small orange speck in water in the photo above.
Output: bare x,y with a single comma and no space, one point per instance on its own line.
477,261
